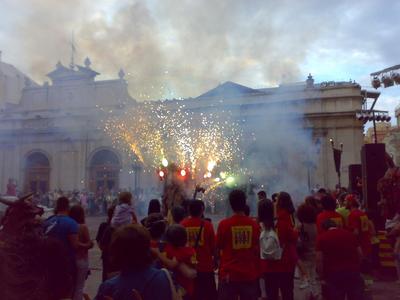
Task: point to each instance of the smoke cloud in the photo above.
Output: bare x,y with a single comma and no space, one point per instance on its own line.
171,48
281,152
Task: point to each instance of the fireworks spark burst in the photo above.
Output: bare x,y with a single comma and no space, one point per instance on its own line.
155,133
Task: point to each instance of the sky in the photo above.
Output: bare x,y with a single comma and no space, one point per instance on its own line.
182,48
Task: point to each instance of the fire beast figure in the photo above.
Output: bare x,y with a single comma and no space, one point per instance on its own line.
30,262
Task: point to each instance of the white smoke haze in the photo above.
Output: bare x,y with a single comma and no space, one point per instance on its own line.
280,152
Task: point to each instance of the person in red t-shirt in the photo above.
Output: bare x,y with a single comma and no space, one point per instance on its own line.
201,237
176,249
238,243
279,273
358,223
329,206
338,262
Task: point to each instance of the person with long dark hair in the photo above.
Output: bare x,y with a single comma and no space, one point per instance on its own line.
266,214
103,239
77,213
307,216
278,264
154,208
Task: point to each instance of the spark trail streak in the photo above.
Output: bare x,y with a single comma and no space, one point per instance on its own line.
200,142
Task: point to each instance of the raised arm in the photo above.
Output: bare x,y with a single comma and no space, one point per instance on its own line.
76,244
86,241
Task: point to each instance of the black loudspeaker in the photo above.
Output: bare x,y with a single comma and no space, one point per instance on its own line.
373,168
355,178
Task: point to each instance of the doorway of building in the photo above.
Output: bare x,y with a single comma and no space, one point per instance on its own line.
104,172
37,173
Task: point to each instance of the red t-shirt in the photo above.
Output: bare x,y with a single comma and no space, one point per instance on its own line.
358,223
288,240
325,215
206,245
160,245
154,244
185,255
238,242
339,251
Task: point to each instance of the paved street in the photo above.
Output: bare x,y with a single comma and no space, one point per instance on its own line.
379,291
94,258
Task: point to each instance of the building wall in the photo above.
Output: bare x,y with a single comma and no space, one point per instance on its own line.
69,162
392,144
64,121
329,113
382,129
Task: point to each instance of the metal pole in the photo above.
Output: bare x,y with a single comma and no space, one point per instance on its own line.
140,170
339,174
136,178
373,120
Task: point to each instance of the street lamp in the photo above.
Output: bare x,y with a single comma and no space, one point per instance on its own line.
374,116
164,162
389,77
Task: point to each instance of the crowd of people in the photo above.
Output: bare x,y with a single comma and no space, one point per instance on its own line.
94,203
173,255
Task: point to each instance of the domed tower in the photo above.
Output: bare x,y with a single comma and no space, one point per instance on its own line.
12,82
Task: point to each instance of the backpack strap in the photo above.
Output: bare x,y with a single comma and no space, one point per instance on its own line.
196,244
136,294
276,237
174,293
50,225
161,246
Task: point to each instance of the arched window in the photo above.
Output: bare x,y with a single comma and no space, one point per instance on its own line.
37,173
104,170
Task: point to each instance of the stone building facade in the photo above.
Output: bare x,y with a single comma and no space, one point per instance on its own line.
382,129
392,139
53,137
